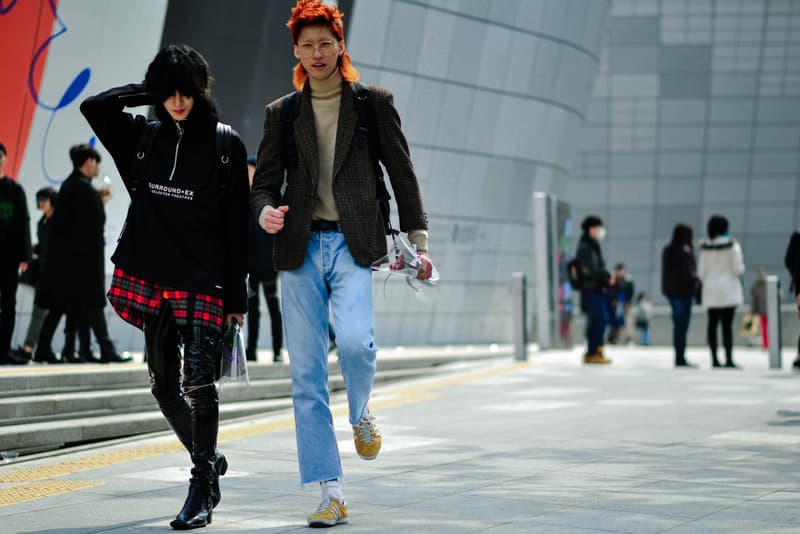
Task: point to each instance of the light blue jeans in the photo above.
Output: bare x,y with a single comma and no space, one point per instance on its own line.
328,275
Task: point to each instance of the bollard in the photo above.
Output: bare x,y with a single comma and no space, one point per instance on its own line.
519,316
774,321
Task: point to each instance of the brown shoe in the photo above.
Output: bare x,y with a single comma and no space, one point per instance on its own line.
596,359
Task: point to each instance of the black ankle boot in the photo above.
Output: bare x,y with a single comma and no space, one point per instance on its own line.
196,511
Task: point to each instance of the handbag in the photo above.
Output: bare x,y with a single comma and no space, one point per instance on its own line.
749,325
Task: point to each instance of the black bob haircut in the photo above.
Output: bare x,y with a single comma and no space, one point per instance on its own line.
46,193
590,222
717,226
178,67
80,153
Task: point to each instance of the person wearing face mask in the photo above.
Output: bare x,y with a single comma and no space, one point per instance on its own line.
594,290
181,261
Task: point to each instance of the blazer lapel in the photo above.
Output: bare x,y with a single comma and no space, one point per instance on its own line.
305,134
346,127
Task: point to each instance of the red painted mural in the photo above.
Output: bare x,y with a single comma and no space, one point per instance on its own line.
24,26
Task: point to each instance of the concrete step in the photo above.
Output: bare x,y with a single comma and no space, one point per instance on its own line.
92,416
59,406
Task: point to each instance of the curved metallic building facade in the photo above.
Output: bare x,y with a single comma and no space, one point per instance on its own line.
492,97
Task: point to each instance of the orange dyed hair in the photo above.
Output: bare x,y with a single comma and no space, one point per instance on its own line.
315,13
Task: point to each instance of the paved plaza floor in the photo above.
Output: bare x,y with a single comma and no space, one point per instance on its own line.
546,446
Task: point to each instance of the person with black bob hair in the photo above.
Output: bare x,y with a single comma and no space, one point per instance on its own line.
679,284
181,261
720,269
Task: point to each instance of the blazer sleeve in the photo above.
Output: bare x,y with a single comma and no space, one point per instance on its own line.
236,231
396,157
270,166
117,130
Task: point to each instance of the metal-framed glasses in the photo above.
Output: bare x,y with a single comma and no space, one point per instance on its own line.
325,48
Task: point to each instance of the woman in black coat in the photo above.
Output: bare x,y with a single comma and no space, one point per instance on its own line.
792,262
181,261
679,285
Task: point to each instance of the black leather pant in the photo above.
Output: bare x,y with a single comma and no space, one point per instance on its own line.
191,408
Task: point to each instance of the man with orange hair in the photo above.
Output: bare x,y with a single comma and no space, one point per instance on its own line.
329,230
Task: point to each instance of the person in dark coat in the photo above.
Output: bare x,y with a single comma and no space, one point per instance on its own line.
73,269
15,256
594,290
262,276
792,262
181,261
679,283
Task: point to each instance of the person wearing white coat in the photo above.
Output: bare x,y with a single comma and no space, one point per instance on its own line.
720,269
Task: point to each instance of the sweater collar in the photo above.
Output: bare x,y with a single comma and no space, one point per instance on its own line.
329,87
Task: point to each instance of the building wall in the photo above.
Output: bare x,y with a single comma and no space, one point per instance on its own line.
492,96
695,111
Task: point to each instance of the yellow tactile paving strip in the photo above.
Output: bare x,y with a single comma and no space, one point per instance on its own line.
38,490
39,484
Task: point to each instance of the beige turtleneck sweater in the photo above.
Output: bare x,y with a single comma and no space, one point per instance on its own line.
325,99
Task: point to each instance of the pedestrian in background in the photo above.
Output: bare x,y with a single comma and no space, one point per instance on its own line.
792,262
758,304
620,297
15,255
643,315
263,276
679,283
720,269
594,289
73,269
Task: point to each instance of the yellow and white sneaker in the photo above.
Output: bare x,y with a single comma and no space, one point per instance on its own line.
367,438
331,512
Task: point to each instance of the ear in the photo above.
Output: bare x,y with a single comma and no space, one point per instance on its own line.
342,48
296,53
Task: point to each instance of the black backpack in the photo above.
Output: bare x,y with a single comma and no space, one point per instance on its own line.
574,274
145,145
367,134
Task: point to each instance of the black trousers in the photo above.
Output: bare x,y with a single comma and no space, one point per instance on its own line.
723,316
83,320
270,288
188,400
8,304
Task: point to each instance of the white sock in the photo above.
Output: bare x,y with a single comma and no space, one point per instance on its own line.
331,488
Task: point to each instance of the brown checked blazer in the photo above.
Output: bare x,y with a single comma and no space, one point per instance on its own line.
353,179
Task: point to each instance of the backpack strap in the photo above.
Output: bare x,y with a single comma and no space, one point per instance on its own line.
143,149
223,144
367,133
290,110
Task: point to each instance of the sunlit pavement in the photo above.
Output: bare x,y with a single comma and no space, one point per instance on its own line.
548,445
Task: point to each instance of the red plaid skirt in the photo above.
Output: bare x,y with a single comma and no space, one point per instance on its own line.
133,299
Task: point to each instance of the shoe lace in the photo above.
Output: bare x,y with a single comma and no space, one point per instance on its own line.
366,429
324,505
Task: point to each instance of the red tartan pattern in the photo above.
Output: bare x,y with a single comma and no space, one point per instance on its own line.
133,299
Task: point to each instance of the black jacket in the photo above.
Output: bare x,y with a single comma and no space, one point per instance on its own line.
792,261
15,230
182,230
594,274
73,268
678,272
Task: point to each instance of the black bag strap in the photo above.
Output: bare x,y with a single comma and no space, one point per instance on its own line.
290,110
143,148
368,133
